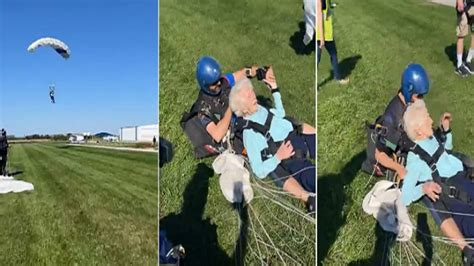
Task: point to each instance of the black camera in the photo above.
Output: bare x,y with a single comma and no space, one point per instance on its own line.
262,72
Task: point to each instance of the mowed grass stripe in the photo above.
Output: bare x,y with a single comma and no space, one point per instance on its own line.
82,217
111,185
108,162
74,221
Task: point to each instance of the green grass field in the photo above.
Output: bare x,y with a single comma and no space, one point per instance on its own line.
375,41
192,207
89,207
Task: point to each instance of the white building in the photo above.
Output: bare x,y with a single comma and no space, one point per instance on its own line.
110,138
77,138
139,133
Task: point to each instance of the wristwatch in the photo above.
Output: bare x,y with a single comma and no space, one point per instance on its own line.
248,72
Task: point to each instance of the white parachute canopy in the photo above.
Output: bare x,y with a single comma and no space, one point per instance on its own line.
385,204
60,47
235,178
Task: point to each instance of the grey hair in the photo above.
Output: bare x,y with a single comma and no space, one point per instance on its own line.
412,118
235,100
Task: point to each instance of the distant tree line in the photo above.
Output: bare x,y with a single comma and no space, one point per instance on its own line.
55,137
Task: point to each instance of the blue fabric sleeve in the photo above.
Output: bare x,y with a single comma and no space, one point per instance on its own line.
255,143
449,141
230,78
278,110
410,190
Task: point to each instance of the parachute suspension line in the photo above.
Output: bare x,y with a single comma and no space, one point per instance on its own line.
266,233
371,176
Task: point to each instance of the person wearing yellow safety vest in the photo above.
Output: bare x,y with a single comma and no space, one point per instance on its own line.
325,37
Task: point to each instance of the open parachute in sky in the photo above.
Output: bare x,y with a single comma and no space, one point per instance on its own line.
59,46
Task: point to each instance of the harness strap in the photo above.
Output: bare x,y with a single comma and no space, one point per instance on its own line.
264,129
448,188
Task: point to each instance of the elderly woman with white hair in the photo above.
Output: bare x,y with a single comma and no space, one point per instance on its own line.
438,178
275,146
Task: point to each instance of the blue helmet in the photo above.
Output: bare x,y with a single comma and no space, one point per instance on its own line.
208,72
414,81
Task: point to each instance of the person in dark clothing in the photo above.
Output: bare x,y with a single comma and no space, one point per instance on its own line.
51,93
3,152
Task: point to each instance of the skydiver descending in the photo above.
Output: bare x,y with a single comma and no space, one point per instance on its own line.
51,93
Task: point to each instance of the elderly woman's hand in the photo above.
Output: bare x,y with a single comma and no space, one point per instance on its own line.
285,151
445,121
432,190
270,79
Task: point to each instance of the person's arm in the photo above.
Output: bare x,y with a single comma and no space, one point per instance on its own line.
389,163
240,74
254,143
271,83
219,130
410,190
445,123
319,22
460,6
448,145
279,110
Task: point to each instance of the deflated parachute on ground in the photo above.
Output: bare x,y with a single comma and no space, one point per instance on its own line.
59,46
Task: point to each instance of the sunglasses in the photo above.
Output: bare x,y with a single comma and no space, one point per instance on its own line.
217,83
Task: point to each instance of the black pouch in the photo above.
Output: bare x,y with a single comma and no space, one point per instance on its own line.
203,144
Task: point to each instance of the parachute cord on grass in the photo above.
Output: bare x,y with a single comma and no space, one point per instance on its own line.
431,245
281,203
293,210
423,254
304,237
256,242
265,231
282,252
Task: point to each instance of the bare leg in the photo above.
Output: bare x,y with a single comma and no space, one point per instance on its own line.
308,129
292,186
451,230
460,45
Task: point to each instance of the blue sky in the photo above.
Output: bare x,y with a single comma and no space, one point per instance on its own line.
109,81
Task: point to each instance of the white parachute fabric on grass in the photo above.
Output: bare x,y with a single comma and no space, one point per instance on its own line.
385,204
60,47
309,20
234,178
8,184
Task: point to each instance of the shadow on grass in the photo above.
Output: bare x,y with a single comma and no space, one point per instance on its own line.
296,41
238,256
384,243
346,66
423,235
197,235
15,173
450,51
331,201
